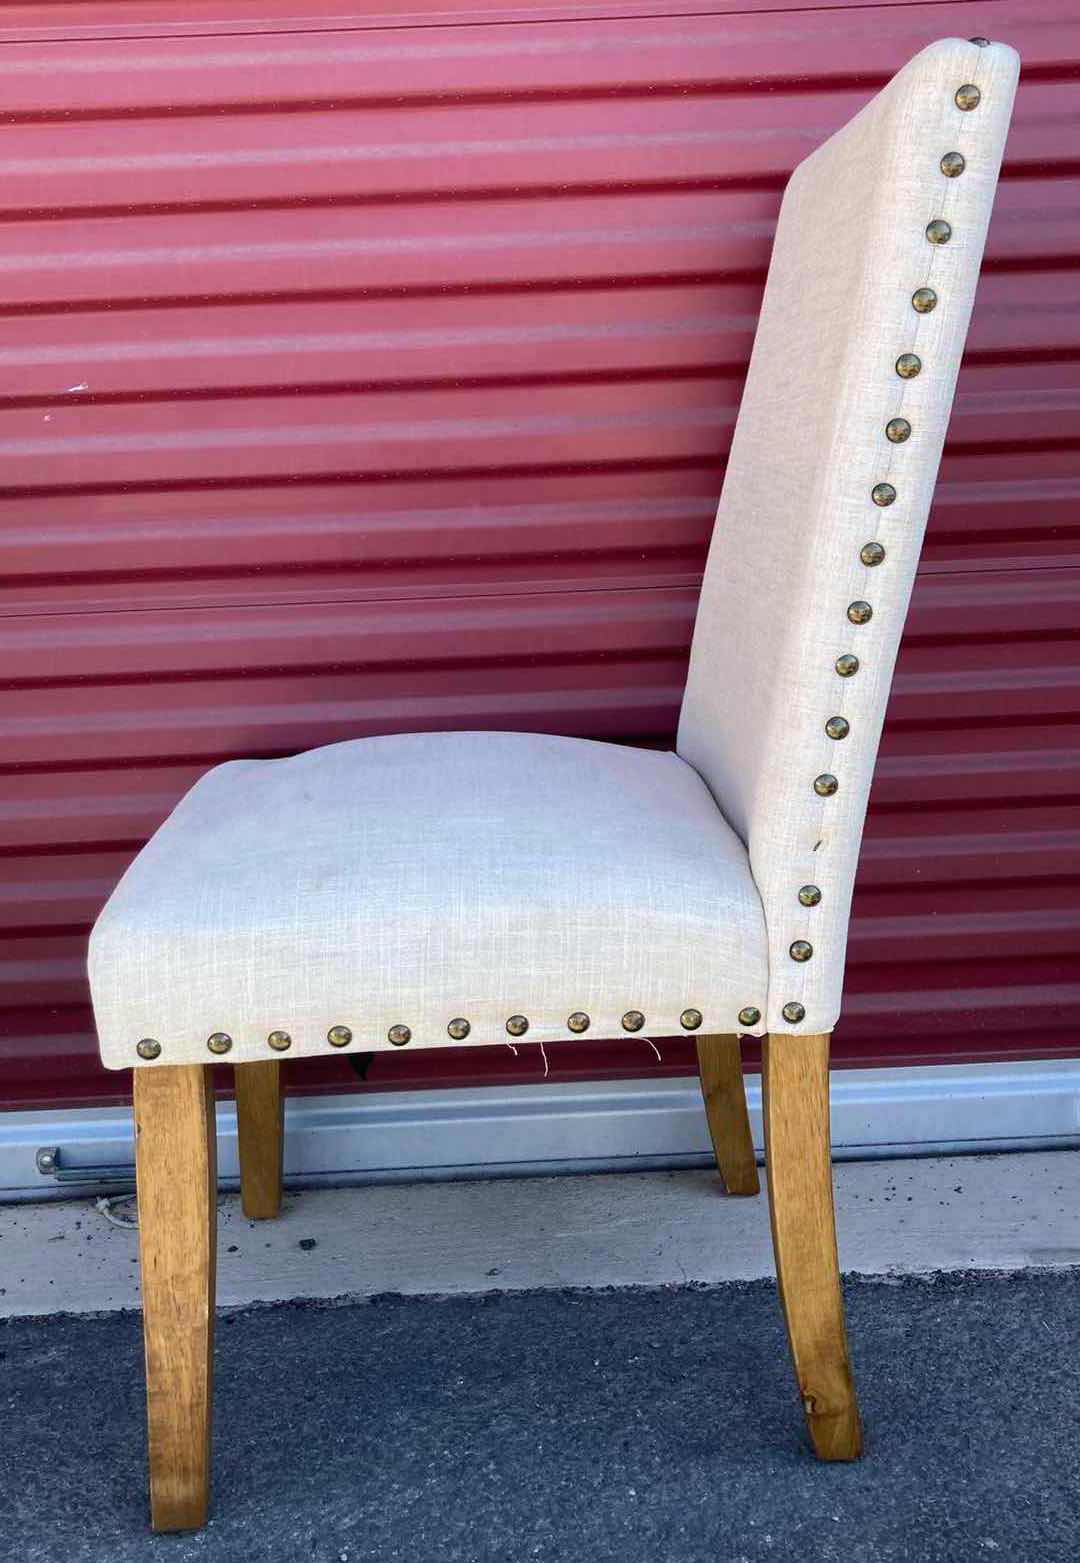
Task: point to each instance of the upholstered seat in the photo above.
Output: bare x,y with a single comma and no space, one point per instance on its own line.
371,893
424,880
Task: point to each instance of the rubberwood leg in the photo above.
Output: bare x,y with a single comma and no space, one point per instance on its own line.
176,1169
795,1081
720,1068
261,1137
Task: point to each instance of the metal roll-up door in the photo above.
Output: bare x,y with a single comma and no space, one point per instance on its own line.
365,372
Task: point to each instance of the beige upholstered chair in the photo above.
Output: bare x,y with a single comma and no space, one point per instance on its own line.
451,889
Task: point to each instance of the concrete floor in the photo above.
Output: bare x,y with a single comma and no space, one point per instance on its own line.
570,1369
622,1229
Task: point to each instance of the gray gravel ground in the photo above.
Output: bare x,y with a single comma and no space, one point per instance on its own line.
644,1426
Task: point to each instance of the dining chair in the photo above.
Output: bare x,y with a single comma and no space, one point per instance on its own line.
460,889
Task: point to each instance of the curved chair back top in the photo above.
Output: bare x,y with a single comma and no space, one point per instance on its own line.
828,486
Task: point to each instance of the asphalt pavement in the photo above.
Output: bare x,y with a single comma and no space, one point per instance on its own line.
643,1425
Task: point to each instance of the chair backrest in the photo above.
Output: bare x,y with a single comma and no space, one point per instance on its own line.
826,495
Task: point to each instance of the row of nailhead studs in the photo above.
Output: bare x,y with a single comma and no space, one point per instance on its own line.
458,1029
897,430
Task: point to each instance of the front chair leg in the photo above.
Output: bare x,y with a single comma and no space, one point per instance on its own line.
260,1131
795,1084
176,1170
720,1069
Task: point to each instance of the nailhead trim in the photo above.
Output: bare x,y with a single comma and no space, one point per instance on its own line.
897,431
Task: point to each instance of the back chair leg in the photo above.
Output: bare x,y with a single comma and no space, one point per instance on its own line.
176,1169
720,1068
795,1083
261,1137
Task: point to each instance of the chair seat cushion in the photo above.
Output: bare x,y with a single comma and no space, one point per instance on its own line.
415,880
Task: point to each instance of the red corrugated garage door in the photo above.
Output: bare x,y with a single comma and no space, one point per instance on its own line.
366,372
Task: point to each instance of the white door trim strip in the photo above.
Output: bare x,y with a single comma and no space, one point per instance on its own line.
591,1126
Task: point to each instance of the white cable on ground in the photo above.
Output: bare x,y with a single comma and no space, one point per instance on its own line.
130,1222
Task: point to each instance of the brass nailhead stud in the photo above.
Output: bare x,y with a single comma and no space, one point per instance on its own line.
883,494
809,895
690,1019
923,300
749,1016
339,1036
897,430
578,1021
793,1013
968,96
801,950
939,231
219,1042
872,553
148,1048
280,1041
952,164
458,1028
908,365
825,785
838,727
399,1035
860,612
633,1020
847,665
517,1025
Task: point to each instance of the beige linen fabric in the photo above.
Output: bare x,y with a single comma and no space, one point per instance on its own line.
415,879
411,880
850,250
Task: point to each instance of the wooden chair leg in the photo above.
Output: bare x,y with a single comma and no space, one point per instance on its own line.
795,1081
260,1128
720,1068
176,1169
